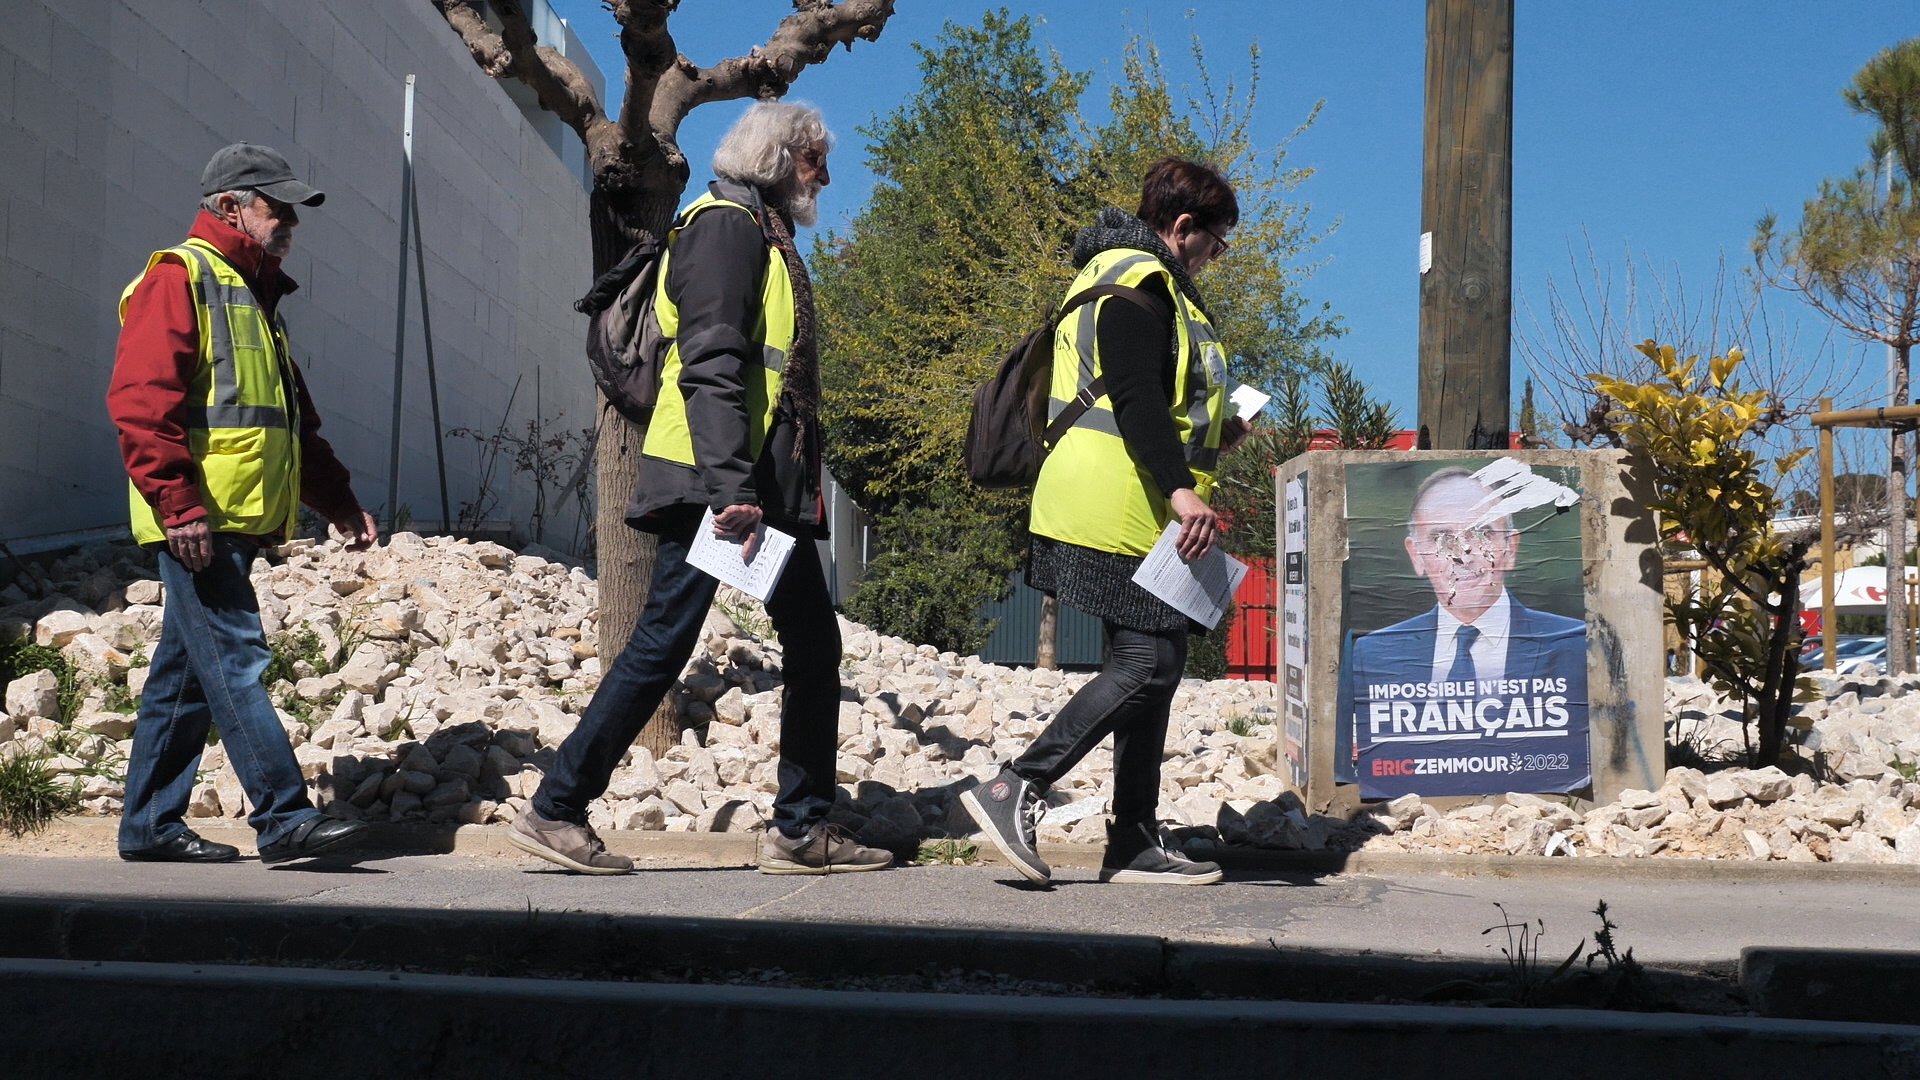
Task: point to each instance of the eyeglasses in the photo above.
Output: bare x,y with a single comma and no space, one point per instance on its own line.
1217,239
1483,542
811,155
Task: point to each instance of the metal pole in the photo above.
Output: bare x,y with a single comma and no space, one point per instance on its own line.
1829,632
400,315
433,378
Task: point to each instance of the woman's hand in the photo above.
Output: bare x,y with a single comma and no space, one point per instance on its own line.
1233,433
1197,524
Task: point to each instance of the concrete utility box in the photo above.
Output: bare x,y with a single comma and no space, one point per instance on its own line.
1457,624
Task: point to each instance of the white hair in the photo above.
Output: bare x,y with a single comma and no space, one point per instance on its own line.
243,196
759,149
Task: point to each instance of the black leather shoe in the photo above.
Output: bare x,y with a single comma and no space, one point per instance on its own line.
187,847
316,836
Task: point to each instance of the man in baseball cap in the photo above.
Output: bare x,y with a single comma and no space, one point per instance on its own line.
249,166
222,446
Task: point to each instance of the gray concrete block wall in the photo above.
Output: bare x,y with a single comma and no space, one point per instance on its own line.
109,110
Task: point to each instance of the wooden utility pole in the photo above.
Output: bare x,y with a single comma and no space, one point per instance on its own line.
1466,223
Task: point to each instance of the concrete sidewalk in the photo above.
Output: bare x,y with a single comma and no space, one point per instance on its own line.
807,962
1677,913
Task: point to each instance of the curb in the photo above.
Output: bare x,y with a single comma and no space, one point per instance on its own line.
452,1025
739,849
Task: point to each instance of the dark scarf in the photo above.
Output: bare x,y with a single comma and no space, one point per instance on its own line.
800,385
1115,228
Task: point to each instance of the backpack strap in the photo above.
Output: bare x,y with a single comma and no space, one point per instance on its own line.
1084,400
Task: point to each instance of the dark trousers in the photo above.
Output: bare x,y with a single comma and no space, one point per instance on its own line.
206,671
664,637
1130,700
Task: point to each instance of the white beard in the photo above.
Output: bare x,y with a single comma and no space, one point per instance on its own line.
804,207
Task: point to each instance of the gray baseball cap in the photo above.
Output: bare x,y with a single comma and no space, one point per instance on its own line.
262,168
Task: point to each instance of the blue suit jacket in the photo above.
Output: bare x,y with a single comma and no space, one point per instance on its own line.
1540,645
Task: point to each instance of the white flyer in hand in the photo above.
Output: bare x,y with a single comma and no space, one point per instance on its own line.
1200,589
1248,401
721,557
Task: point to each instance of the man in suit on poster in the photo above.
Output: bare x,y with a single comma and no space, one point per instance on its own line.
1476,634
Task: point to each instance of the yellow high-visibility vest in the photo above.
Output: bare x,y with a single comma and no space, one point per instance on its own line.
668,436
1091,492
242,418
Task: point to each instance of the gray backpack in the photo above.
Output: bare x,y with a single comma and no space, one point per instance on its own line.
625,348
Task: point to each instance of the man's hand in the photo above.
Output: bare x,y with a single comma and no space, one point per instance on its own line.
358,529
1233,433
192,544
739,520
1197,524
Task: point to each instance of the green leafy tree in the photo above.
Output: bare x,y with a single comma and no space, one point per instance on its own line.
1714,496
983,177
1855,258
1533,433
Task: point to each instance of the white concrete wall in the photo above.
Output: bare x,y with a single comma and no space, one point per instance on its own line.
109,110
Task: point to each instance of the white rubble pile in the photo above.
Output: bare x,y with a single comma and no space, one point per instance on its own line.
447,672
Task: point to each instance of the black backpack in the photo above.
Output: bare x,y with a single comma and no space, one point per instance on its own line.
625,348
1008,435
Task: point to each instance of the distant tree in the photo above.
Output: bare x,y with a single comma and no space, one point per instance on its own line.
1855,258
1533,433
639,173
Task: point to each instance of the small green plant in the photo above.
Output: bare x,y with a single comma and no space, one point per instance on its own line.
19,658
1243,725
65,741
138,658
120,699
946,851
289,649
31,796
752,621
1628,985
1906,770
1524,979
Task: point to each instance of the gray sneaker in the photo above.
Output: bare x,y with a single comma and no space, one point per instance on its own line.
1136,856
1007,808
575,847
823,849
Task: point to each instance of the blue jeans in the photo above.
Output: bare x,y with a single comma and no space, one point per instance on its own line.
664,637
1130,699
206,671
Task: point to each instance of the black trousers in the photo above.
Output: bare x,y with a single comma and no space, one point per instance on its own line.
1130,700
664,637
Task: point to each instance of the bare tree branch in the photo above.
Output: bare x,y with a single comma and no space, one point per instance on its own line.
561,87
802,39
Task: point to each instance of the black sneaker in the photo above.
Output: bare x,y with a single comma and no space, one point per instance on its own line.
1007,808
1135,856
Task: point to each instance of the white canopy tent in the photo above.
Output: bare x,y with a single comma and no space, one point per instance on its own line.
1860,590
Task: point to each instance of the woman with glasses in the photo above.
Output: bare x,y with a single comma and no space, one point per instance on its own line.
1146,360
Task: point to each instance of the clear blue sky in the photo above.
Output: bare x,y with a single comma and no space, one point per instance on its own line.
1649,126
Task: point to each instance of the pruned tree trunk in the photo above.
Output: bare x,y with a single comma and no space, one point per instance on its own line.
639,173
1046,652
1899,641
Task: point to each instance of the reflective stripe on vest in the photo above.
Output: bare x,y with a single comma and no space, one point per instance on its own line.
239,415
1090,491
668,435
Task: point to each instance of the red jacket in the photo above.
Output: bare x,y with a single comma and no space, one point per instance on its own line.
155,362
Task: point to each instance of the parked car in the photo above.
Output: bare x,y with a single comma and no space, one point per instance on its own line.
1863,648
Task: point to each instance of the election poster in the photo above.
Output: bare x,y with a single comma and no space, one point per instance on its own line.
1464,649
1293,642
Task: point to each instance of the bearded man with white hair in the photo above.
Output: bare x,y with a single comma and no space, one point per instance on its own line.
735,431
